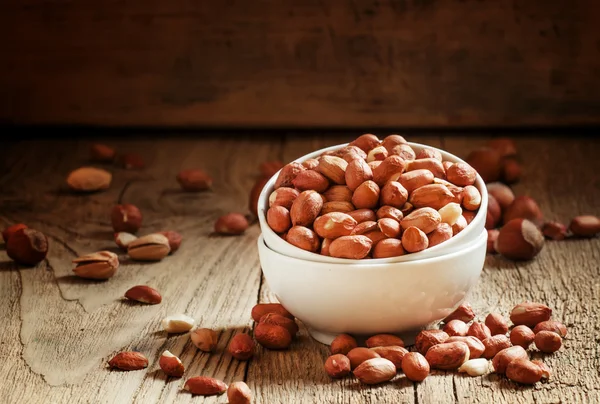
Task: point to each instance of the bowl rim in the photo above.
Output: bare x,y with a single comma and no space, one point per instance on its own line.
264,227
469,247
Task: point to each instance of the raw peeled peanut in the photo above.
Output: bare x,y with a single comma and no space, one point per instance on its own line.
384,340
551,325
194,180
523,207
464,312
393,194
177,323
507,355
359,355
241,347
337,206
387,248
171,364
278,219
530,313
333,225
502,193
519,239
260,309
441,233
310,179
364,228
389,227
391,141
239,393
585,226
450,213
143,294
415,366
479,331
414,240
428,152
554,231
99,265
491,241
456,328
404,151
495,344
338,193
476,347
475,367
231,224
486,162
366,195
272,336
425,219
363,215
394,354
285,322
306,208
461,174
414,179
365,142
353,247
337,366
448,355
342,344
522,336
152,247
129,360
334,168
205,386
433,165
389,212
387,168
548,341
304,238
287,175
471,198
204,339
89,179
126,217
283,197
428,338
523,371
27,246
496,323
434,196
375,371
377,153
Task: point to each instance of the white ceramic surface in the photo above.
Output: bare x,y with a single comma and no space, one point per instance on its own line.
366,298
471,232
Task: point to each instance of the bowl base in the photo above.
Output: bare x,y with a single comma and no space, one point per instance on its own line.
326,338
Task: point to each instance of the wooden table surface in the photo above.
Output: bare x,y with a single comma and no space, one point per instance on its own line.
59,331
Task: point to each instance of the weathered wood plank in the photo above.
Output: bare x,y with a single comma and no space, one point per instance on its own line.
340,63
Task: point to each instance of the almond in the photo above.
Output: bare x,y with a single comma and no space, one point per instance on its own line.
285,322
387,248
384,340
333,225
471,198
353,247
171,364
99,265
434,196
507,355
486,162
404,151
310,179
272,336
585,225
377,153
519,239
310,164
391,141
464,312
89,179
450,213
359,355
431,164
393,353
414,179
342,344
178,323
204,339
476,347
239,393
389,212
502,193
389,227
496,323
459,226
428,338
306,208
441,233
304,238
365,142
479,331
338,193
205,386
495,344
364,228
241,347
530,313
522,335
152,247
363,215
475,367
415,366
554,231
375,371
461,174
143,294
523,371
129,360
283,197
387,168
337,366
414,240
287,174
548,341
456,328
337,206
428,152
334,168
260,309
523,207
448,355
194,180
278,219
366,195
393,194
551,325
425,219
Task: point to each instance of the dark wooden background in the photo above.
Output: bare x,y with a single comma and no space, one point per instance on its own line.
311,63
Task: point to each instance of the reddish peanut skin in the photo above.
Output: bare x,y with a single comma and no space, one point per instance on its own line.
479,331
507,355
278,319
205,386
547,341
261,309
384,340
551,325
241,347
464,312
496,323
337,366
476,347
272,336
523,371
428,338
239,393
530,313
495,344
361,354
522,335
342,344
415,367
394,354
456,328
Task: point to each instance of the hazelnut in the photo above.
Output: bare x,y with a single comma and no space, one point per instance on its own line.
9,231
27,246
231,223
519,239
523,207
194,180
126,218
486,162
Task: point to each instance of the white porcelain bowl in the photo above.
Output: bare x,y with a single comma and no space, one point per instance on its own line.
367,298
471,232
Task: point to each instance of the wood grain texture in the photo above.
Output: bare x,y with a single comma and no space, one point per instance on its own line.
303,64
60,331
